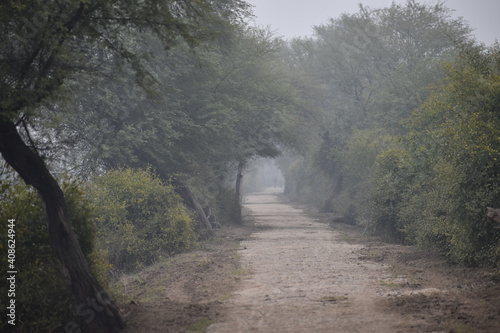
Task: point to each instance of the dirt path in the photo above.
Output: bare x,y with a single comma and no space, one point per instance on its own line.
304,277
287,272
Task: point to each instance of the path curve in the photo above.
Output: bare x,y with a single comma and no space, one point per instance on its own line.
303,278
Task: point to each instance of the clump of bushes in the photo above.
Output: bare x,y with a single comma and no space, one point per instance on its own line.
124,220
391,180
139,218
44,301
433,191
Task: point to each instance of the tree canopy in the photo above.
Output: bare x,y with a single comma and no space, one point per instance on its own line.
409,139
43,45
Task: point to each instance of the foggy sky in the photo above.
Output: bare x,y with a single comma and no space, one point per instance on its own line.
294,18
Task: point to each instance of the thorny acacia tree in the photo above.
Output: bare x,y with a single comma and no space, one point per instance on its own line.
42,43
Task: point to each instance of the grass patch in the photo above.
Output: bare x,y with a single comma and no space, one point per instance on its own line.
463,329
239,272
199,326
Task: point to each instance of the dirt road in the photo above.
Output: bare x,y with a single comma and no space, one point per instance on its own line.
293,273
304,278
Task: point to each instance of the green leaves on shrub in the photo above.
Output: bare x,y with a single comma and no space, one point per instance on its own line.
390,182
435,190
44,301
139,218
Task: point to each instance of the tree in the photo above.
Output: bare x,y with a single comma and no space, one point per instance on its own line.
263,98
44,43
374,67
453,148
211,112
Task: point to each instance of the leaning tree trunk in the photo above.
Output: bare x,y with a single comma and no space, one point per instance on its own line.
94,305
238,195
239,181
191,202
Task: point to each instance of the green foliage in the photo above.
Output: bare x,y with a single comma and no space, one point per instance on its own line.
455,135
230,101
371,69
199,326
139,218
359,159
43,297
412,118
433,191
44,43
391,179
46,46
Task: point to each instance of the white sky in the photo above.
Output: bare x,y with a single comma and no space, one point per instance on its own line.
294,18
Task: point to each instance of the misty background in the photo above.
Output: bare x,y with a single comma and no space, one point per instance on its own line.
296,18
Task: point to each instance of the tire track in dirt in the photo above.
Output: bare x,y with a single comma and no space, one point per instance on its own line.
303,278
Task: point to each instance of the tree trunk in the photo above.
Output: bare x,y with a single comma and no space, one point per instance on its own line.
239,182
94,304
238,195
191,202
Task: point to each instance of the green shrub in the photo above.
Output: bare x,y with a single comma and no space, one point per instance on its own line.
391,181
139,218
359,164
43,298
452,162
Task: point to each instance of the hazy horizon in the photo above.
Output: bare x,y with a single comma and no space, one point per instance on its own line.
283,15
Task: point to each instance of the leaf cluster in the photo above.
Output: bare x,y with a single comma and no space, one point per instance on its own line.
43,298
42,43
139,218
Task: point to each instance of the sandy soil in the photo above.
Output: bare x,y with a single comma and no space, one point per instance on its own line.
290,272
184,293
304,278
